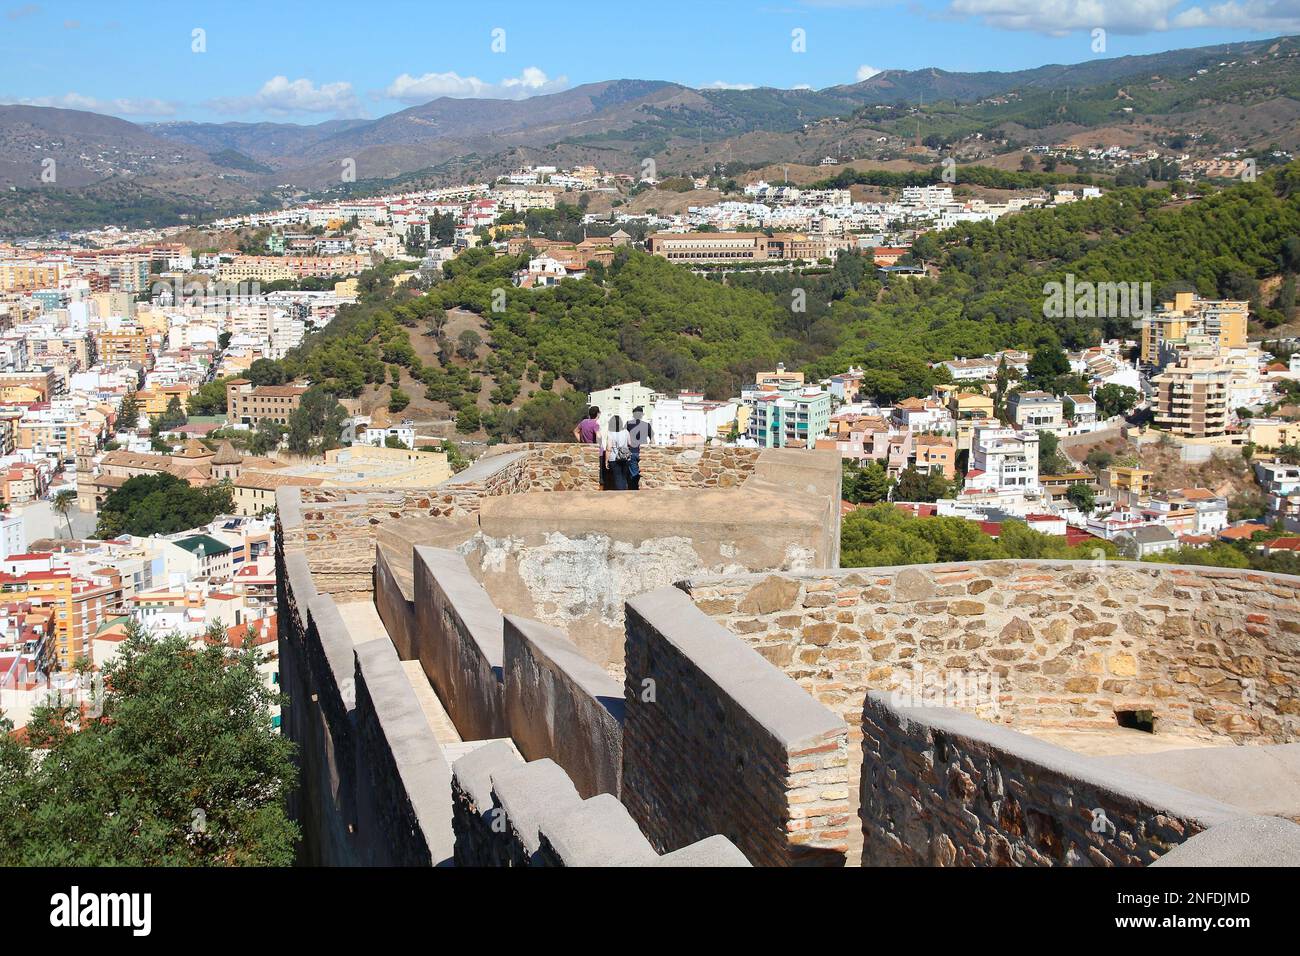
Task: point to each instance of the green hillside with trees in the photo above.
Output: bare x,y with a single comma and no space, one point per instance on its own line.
648,319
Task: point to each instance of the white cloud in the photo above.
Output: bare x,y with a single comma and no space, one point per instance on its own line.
866,72
802,86
1059,17
92,104
420,89
724,85
280,96
1266,16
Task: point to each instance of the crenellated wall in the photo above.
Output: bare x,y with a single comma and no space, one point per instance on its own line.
512,813
742,729
374,787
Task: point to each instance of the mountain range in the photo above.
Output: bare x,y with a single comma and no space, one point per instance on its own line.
174,170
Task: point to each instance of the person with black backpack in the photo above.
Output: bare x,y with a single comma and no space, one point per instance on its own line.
639,432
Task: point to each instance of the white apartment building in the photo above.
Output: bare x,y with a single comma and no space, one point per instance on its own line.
1041,411
927,195
1003,459
688,415
621,399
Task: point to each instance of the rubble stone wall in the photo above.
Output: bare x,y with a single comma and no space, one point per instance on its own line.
943,788
1211,653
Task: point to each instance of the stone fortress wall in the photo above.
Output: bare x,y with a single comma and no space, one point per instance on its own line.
741,730
499,677
1055,649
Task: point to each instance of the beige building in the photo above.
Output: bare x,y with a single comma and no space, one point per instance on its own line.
249,404
709,246
1223,322
357,466
274,268
1272,433
1128,485
1192,397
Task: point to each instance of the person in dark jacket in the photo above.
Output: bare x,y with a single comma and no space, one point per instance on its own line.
639,432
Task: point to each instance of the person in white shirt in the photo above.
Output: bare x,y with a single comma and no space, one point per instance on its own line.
617,453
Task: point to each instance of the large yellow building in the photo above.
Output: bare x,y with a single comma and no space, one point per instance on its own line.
1273,433
1222,321
22,275
154,401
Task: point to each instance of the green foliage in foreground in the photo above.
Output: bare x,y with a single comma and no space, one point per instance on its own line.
183,768
883,536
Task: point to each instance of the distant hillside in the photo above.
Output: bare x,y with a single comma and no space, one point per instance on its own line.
1246,98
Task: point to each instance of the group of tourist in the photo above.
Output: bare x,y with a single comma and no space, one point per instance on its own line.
620,447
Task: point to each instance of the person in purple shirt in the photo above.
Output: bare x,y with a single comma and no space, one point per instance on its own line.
587,432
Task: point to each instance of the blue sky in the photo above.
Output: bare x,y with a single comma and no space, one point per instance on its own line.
303,62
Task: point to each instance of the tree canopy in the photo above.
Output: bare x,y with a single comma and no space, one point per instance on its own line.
884,535
182,768
160,504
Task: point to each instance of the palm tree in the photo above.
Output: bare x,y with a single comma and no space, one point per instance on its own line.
62,504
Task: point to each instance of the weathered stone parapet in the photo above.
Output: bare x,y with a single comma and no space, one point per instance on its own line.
943,788
562,706
458,641
395,607
1211,653
716,740
404,794
481,836
1248,841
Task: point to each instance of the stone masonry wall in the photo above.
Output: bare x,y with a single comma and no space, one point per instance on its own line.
571,467
1213,654
942,788
337,526
717,741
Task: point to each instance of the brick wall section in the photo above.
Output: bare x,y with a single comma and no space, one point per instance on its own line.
942,788
404,781
561,706
726,744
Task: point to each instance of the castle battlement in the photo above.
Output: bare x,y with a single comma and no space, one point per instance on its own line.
515,668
